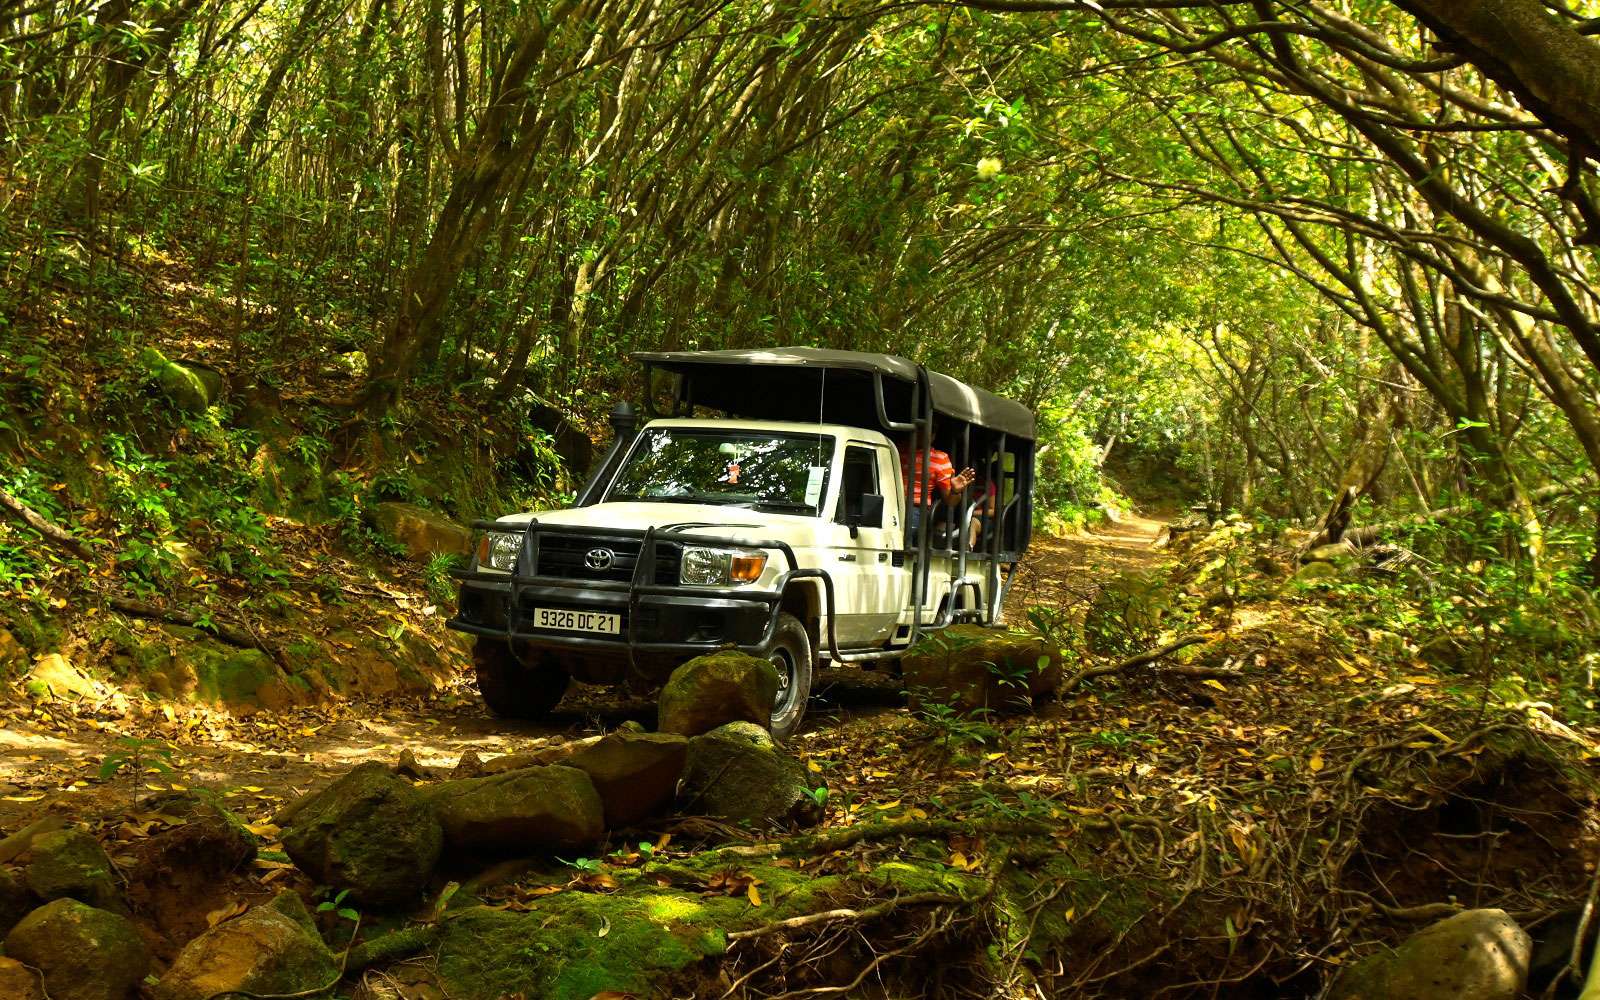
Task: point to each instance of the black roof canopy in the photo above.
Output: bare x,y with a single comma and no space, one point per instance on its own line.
811,383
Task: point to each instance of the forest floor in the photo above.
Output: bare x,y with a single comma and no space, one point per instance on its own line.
50,754
1253,811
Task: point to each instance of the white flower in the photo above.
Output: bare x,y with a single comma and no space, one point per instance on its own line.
989,168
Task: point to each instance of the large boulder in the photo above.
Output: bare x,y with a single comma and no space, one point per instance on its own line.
971,668
182,870
83,952
71,864
1474,955
271,950
636,774
715,689
737,773
369,832
522,811
423,533
18,982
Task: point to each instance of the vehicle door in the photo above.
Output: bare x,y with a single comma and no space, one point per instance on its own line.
868,527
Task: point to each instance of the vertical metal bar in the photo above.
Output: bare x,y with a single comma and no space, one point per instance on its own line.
965,507
996,529
924,437
647,557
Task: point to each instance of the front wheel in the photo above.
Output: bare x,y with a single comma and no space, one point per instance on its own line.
511,690
791,657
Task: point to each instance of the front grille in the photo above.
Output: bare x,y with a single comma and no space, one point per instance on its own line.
566,556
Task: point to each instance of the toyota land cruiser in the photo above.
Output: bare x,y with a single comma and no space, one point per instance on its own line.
793,539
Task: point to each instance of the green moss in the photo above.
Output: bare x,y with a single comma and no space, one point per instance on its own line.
35,632
234,677
908,878
575,945
182,387
1090,912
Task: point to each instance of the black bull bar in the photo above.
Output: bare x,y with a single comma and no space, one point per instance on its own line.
642,587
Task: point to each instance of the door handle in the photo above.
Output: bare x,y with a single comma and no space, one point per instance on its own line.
847,558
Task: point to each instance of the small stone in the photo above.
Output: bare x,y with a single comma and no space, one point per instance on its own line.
408,767
737,773
72,864
369,832
469,766
85,953
271,950
534,808
636,774
715,689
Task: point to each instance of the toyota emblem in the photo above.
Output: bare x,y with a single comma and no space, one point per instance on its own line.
599,559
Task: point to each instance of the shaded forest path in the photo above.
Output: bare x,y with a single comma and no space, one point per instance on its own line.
1065,571
51,755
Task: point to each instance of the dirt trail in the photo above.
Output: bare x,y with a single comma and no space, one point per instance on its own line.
1061,572
50,757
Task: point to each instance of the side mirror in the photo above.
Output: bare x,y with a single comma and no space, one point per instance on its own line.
871,515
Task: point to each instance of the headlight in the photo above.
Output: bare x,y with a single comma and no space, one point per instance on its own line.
498,550
719,567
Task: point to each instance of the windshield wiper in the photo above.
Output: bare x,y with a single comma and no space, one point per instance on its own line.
809,508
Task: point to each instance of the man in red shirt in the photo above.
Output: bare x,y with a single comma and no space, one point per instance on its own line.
948,483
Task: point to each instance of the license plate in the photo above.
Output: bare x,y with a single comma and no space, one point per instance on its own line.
577,621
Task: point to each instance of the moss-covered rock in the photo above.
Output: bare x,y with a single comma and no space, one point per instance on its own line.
971,668
1474,955
271,950
72,864
84,953
180,386
369,832
636,774
1127,612
289,483
1313,572
187,664
16,901
737,773
715,689
529,809
423,533
13,657
573,946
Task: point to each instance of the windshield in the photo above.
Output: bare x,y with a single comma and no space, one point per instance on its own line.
780,472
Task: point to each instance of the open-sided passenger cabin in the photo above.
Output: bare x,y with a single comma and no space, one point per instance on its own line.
978,429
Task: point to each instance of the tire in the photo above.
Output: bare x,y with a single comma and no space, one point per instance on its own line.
792,657
511,690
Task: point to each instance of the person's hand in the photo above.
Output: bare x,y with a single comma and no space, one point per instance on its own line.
963,479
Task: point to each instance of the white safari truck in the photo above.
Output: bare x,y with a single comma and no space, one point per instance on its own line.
782,524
